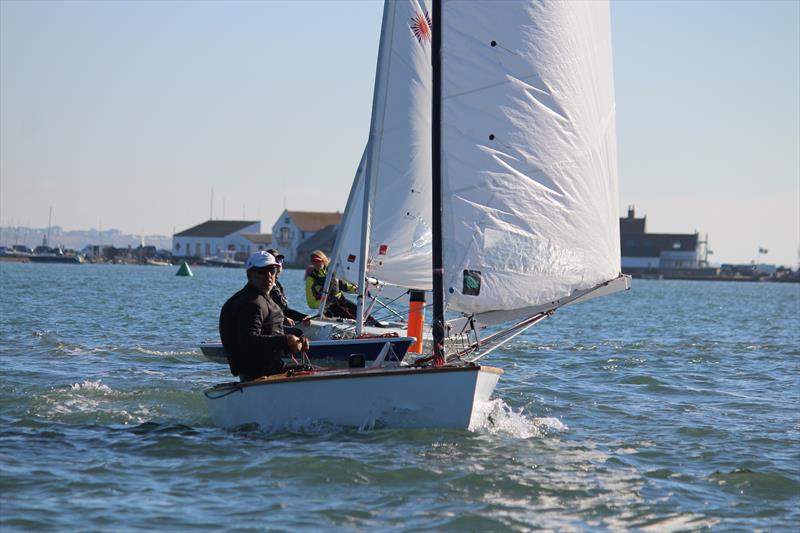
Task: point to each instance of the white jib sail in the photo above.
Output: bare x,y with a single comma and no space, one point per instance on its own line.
529,153
399,153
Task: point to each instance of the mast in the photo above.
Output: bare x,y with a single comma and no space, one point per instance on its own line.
436,179
373,153
366,221
46,240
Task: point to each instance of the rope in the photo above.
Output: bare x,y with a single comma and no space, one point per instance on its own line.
235,387
502,337
389,335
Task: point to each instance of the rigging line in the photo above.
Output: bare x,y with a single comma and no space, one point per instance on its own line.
516,329
386,305
390,302
523,323
387,308
469,323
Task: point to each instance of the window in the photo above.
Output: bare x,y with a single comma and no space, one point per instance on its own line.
197,249
208,249
676,245
177,246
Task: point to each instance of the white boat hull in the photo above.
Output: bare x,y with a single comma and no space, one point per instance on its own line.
402,397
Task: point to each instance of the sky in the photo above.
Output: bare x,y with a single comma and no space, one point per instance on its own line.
150,117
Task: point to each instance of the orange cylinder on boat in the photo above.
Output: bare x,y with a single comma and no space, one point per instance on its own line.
416,317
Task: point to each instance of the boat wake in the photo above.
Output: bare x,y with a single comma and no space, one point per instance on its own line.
91,386
165,353
498,418
55,345
92,402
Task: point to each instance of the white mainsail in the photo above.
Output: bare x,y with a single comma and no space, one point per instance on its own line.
398,159
529,179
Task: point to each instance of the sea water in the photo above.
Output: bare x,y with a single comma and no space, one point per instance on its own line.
673,406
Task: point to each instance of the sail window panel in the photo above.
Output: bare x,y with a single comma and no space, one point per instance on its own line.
518,270
526,254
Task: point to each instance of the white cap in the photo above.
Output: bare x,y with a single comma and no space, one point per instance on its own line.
260,260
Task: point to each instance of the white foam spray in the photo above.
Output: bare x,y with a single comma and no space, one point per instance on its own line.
497,417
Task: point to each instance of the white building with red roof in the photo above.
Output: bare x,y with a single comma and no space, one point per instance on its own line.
295,227
216,238
243,237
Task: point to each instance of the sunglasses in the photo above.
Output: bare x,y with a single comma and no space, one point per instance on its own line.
266,270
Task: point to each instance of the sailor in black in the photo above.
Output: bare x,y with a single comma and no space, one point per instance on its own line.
251,324
278,295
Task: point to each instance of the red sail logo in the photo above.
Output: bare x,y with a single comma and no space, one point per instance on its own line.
421,26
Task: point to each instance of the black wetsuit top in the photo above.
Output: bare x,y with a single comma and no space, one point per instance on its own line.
251,328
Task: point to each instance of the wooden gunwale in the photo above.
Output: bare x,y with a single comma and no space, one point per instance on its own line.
353,374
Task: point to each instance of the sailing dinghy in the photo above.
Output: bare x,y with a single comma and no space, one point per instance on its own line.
511,104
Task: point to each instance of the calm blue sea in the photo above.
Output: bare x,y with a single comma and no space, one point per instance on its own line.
674,406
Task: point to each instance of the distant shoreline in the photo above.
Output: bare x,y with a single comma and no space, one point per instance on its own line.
667,276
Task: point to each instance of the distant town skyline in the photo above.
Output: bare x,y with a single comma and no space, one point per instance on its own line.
126,114
77,239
